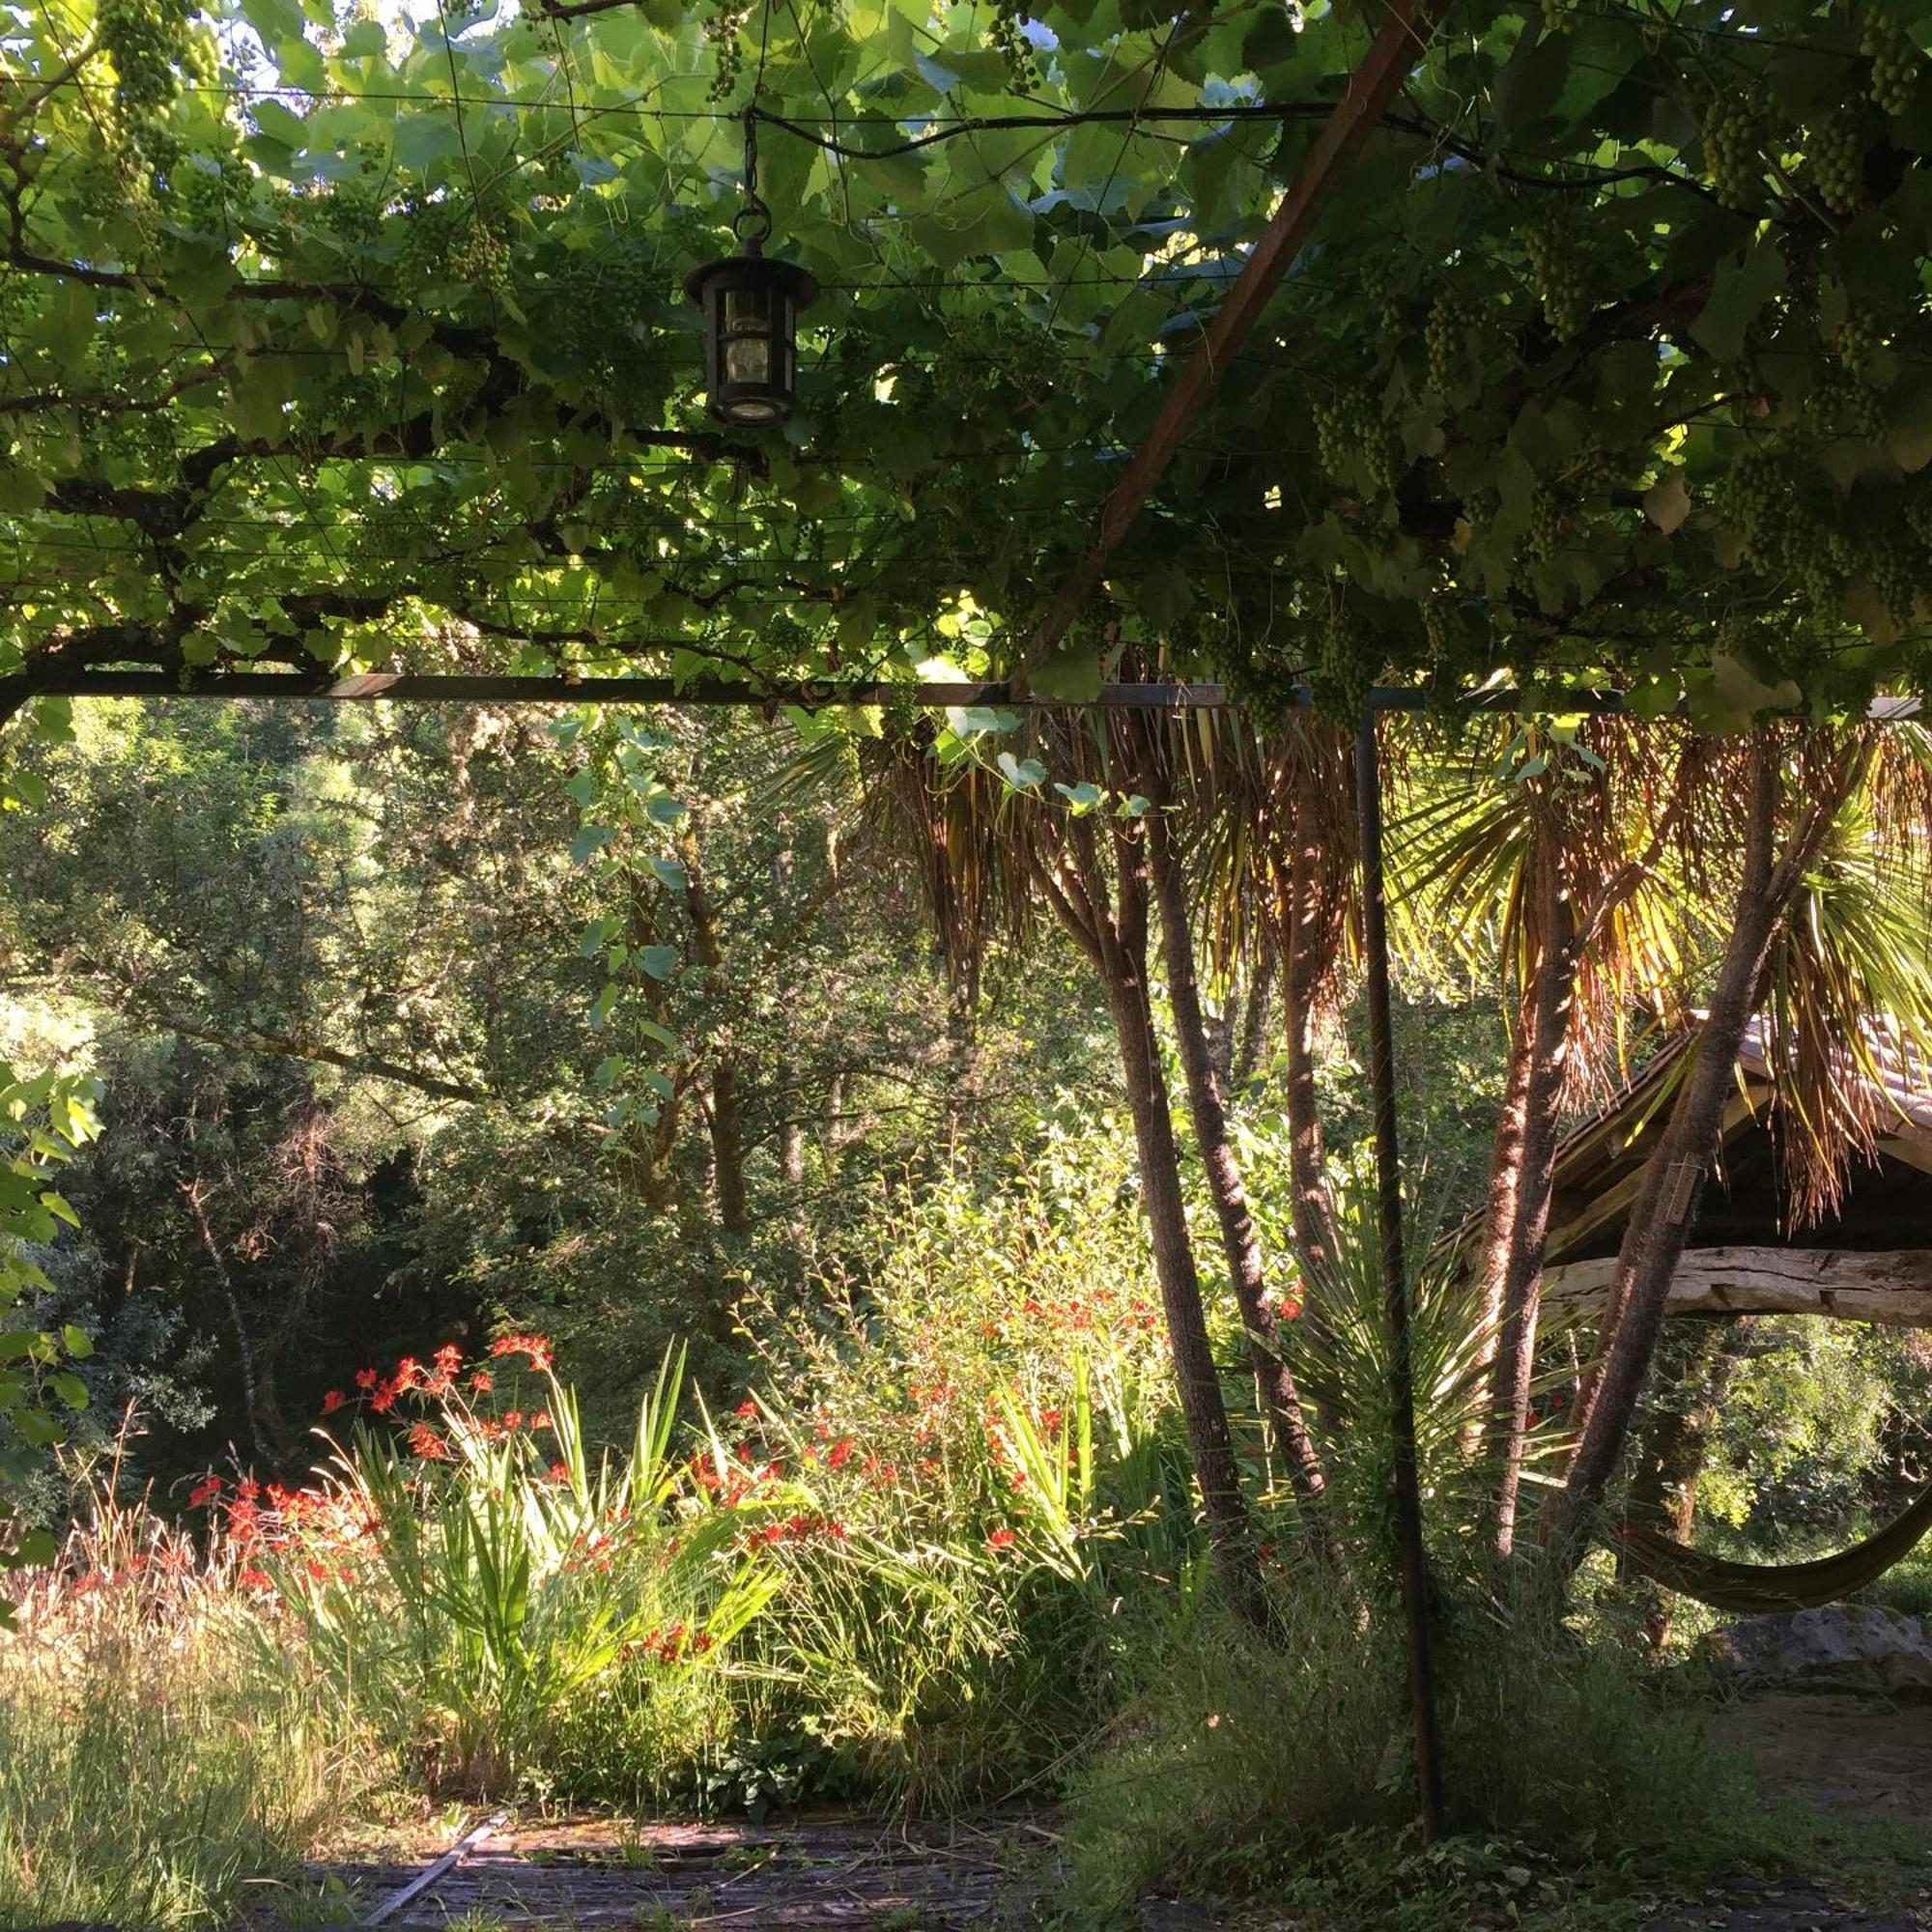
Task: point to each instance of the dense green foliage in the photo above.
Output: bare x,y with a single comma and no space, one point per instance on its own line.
339,340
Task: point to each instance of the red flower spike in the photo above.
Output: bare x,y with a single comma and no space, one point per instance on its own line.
205,1492
332,1400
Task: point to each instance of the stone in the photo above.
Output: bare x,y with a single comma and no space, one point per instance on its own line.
1843,1647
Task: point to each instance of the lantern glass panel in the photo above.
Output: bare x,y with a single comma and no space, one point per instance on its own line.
748,359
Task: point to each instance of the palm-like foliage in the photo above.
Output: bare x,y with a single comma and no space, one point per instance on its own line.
1847,1013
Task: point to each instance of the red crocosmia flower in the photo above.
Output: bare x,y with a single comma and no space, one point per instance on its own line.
204,1491
560,1472
409,1373
540,1421
366,1379
533,1346
385,1397
316,1571
481,1381
425,1442
332,1400
513,1418
746,1407
247,1490
839,1454
1001,1539
252,1578
447,1360
1291,1308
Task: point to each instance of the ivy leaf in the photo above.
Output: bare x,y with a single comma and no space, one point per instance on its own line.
590,842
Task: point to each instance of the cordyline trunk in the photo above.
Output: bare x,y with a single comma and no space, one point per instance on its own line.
1670,1455
1520,1300
1499,1218
1115,942
1306,962
1273,1377
1254,1025
1673,1184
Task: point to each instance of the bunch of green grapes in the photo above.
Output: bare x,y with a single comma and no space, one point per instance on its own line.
429,239
1894,562
1556,270
1761,506
1841,404
1353,438
1838,155
1456,320
1895,62
146,39
1008,37
1548,522
1342,665
354,211
1855,339
1733,137
480,254
723,30
1820,558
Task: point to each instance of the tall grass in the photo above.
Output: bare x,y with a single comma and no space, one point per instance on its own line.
161,1752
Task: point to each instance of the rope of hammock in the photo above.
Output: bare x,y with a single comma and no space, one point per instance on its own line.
1755,1589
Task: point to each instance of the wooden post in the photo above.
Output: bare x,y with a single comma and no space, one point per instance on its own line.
1411,1560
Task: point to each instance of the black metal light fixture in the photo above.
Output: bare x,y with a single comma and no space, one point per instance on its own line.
751,306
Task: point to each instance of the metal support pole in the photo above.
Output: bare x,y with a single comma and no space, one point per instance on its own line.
1411,1561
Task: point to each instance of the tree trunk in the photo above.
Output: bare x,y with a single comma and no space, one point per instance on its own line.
727,1144
1305,962
1500,1220
726,1115
1273,1377
1114,941
1247,1054
1522,1271
1673,1184
1671,1454
267,1432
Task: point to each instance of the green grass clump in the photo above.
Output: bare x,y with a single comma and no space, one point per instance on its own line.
157,1762
1577,1773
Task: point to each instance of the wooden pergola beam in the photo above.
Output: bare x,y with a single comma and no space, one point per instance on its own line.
1370,88
824,695
1893,1288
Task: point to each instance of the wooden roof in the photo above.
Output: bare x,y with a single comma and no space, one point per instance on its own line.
1600,1164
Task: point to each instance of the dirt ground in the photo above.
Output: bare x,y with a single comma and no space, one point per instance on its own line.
1861,1757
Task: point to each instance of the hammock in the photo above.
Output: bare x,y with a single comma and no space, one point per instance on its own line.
1754,1589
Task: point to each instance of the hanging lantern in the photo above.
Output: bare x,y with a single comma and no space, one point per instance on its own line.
750,315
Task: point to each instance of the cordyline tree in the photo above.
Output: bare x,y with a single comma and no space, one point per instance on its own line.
345,343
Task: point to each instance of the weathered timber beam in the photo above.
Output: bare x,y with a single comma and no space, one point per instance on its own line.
489,688
1893,1288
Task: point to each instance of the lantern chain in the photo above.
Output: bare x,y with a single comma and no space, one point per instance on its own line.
752,223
